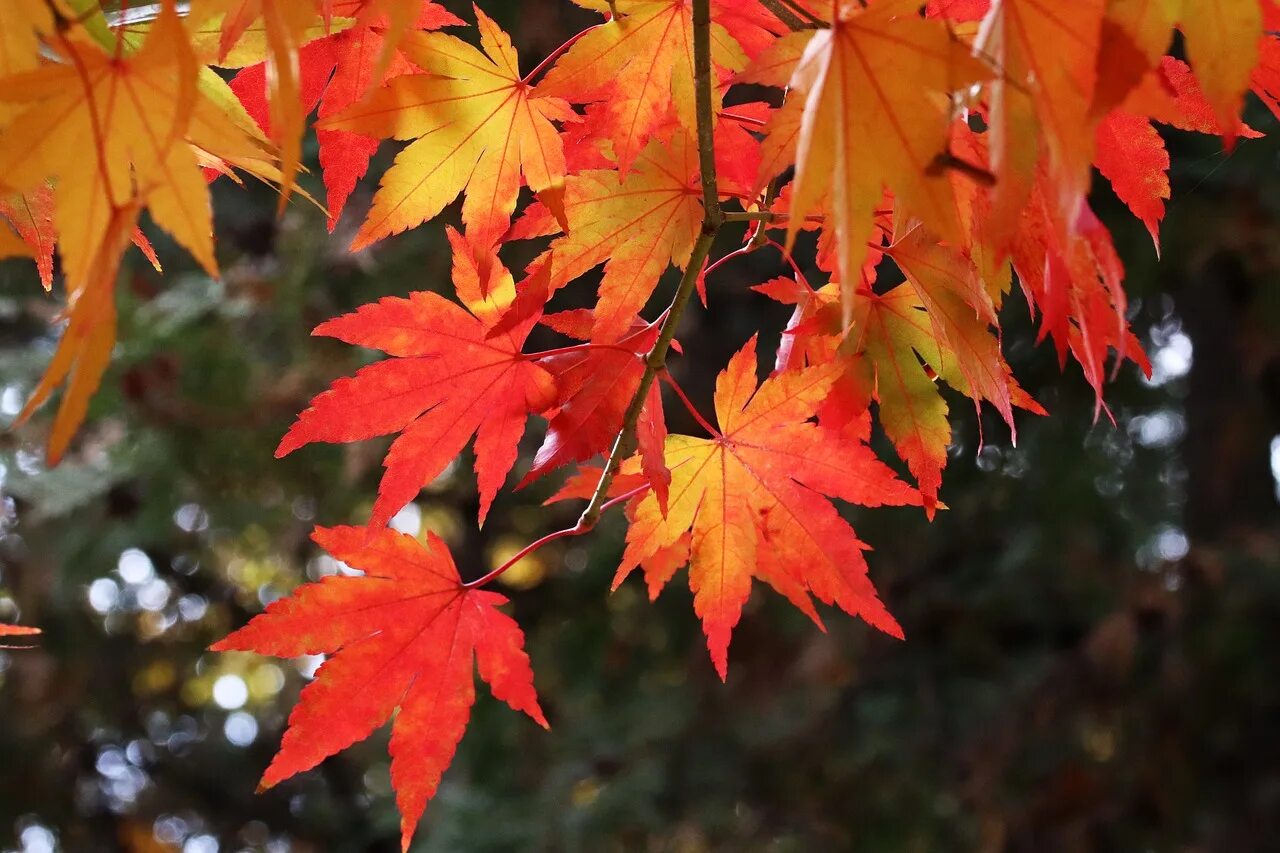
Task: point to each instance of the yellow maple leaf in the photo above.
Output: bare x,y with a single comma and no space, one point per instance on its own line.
477,126
22,22
286,25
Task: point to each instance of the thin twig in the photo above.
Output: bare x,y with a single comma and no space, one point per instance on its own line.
712,218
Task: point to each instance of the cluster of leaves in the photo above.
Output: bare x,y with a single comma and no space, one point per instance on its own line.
949,146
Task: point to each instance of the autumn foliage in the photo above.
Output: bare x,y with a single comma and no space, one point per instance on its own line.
950,146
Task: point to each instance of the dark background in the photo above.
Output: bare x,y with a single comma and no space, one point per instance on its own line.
1093,629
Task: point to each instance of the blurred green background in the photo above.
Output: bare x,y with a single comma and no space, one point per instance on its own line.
1093,629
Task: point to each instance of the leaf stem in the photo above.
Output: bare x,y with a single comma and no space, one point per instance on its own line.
741,119
550,59
576,530
721,261
753,216
578,348
688,404
786,256
523,552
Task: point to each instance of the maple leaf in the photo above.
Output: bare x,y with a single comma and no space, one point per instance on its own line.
1132,156
448,380
1134,37
477,125
134,112
84,349
753,498
636,226
1048,56
879,70
775,67
959,11
961,315
936,326
402,641
640,64
16,631
335,72
1130,152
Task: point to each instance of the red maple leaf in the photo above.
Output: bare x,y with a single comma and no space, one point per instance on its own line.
449,380
402,640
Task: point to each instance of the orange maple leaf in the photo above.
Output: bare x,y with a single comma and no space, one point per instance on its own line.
449,380
16,631
1131,155
12,245
31,216
477,125
1077,283
403,639
753,498
936,326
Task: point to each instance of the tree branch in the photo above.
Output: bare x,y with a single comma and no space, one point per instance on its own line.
712,219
